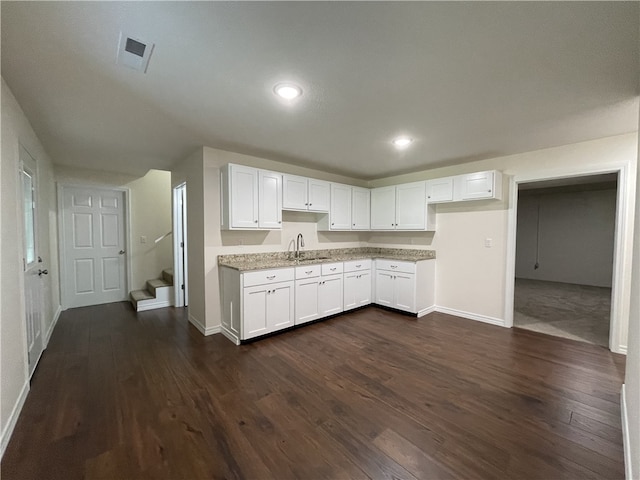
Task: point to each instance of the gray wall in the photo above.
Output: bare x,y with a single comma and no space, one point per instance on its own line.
576,235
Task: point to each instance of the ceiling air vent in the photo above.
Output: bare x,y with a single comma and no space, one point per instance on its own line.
134,52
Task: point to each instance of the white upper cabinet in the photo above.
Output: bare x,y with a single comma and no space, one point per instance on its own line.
340,211
440,190
478,186
383,208
401,207
269,200
305,194
250,198
360,208
411,206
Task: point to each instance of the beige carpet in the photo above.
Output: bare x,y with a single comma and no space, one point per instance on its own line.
578,312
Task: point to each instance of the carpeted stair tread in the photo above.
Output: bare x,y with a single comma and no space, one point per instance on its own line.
138,295
167,275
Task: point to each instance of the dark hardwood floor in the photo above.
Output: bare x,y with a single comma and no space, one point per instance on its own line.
370,394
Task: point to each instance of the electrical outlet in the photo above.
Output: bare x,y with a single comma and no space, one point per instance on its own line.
488,242
143,239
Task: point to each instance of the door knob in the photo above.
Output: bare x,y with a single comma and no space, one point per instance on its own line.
121,252
43,272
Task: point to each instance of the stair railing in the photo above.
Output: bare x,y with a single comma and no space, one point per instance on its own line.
163,236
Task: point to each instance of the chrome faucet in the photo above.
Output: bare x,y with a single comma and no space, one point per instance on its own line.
299,243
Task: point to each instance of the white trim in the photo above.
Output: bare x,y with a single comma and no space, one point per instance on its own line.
143,307
13,418
61,241
620,253
202,329
426,311
471,316
56,316
622,349
230,336
179,275
625,433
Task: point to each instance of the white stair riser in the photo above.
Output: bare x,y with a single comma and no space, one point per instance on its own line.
163,299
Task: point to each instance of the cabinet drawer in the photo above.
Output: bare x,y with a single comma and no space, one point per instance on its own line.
263,277
331,268
357,265
395,266
308,271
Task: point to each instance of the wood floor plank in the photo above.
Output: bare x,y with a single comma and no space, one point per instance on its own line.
369,394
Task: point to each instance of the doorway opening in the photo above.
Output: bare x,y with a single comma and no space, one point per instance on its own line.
180,266
565,238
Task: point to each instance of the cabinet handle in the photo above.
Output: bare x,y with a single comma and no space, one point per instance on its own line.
310,204
358,266
255,221
279,221
271,277
489,190
394,266
309,272
429,196
306,204
354,224
332,224
333,269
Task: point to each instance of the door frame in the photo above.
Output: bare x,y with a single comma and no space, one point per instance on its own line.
622,253
61,240
180,276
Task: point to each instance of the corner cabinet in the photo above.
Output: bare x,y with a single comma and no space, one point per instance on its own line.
256,303
250,198
401,207
357,283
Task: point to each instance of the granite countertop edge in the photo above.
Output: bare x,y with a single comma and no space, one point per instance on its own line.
262,261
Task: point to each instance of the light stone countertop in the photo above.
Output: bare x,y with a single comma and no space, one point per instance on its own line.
262,261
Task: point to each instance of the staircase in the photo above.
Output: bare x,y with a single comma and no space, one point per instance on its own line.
158,294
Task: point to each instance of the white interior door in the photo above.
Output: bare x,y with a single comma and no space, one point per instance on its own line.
94,246
180,245
33,269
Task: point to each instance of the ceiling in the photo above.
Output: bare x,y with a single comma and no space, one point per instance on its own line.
466,81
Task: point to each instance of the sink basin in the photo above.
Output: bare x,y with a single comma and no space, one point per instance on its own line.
310,259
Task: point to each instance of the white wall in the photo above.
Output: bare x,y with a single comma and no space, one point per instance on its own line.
17,131
632,374
576,236
150,198
470,278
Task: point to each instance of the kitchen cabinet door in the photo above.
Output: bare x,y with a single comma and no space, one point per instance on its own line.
404,290
383,208
294,193
360,208
319,195
269,200
411,206
476,186
307,307
440,190
340,211
243,190
384,288
254,318
280,307
357,289
330,295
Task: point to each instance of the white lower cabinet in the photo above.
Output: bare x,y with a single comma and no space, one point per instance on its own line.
406,286
318,292
357,283
256,303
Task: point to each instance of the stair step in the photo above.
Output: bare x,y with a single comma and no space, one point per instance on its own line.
156,283
167,275
138,295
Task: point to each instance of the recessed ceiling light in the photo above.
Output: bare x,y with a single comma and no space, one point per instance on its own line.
402,142
288,91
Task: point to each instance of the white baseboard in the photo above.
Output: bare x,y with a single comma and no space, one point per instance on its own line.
625,433
622,349
143,307
230,336
202,329
56,316
471,316
13,418
426,311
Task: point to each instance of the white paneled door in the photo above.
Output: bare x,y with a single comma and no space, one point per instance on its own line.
32,262
94,246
